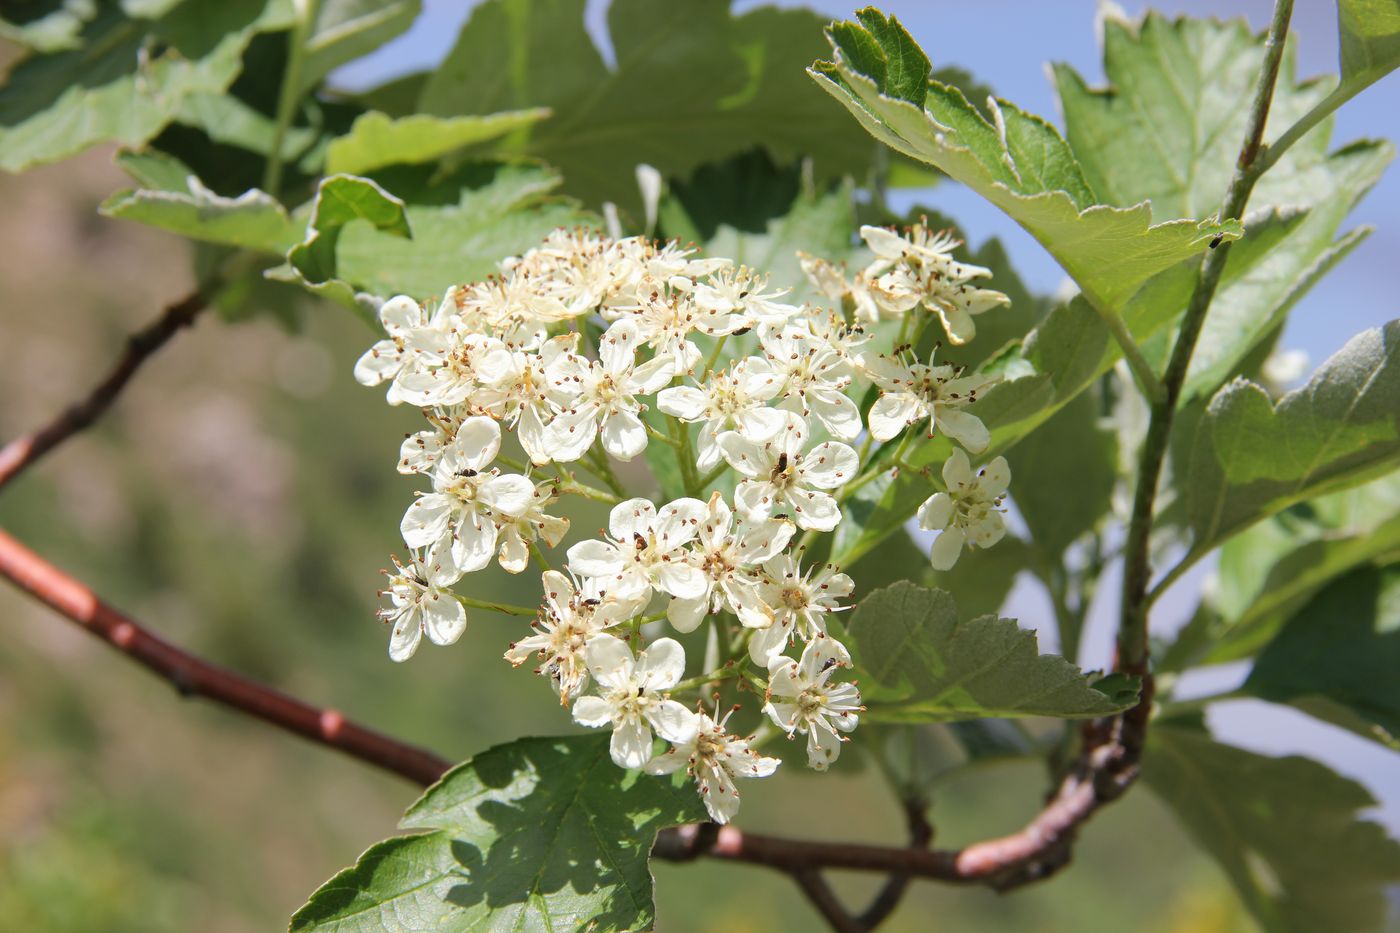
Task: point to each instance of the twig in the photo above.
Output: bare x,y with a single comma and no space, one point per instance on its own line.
20,453
1037,851
191,676
889,896
824,899
1137,572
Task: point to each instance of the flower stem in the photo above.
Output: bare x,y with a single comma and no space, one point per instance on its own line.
290,93
503,608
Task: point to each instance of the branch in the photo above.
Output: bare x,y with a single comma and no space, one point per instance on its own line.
1037,851
20,453
191,676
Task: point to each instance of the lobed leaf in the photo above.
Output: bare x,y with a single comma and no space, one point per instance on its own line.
1337,657
375,140
919,661
692,84
1015,160
254,220
346,29
539,834
1285,830
1252,457
136,74
1266,573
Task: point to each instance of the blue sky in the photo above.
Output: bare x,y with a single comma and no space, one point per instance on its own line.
1005,44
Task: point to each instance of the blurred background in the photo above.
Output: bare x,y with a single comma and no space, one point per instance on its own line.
241,499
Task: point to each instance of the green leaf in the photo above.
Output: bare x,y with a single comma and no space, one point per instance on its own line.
375,140
1337,658
341,199
1252,457
1070,451
1285,830
919,661
692,85
1019,163
129,79
1267,572
1369,31
463,225
346,29
227,119
538,834
254,220
48,26
1168,128
760,215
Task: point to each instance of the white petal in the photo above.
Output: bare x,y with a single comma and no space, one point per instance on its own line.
444,619
674,723
813,509
631,517
609,660
652,375
378,363
509,494
837,413
891,413
426,520
945,551
686,615
755,499
631,744
988,531
514,555
668,762
966,429
957,473
624,435
473,543
593,712
679,521
767,644
572,433
617,347
823,748
829,465
403,640
957,322
477,442
595,559
996,476
661,665
748,456
682,580
684,402
936,512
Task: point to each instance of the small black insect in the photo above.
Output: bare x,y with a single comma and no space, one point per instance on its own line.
1215,241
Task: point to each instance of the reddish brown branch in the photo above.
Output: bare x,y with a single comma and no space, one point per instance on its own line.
20,453
1038,850
824,899
194,677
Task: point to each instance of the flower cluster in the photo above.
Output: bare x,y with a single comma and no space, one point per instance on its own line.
589,350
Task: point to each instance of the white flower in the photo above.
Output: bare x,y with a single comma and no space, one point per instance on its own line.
783,480
969,512
801,700
740,292
518,387
923,269
646,550
415,339
517,532
604,394
715,757
420,601
456,520
794,603
728,555
813,376
919,390
731,398
571,616
667,315
630,697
